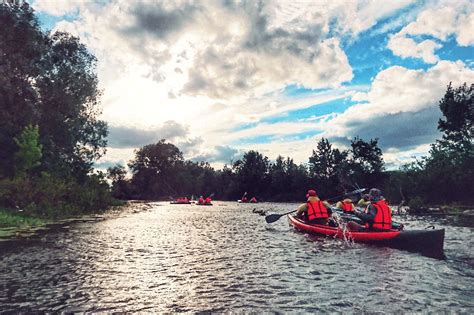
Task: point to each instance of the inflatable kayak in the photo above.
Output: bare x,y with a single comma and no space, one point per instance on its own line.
427,242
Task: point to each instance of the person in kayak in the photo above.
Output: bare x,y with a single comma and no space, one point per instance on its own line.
244,199
208,201
364,201
253,200
346,205
314,210
377,215
201,200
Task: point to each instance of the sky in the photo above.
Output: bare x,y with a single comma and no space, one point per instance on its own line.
219,78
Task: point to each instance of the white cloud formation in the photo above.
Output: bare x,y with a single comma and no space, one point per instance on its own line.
214,65
402,108
451,18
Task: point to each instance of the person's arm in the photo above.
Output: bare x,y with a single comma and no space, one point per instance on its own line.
367,217
300,210
328,206
339,205
362,203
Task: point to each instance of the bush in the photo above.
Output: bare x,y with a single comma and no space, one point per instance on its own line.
53,197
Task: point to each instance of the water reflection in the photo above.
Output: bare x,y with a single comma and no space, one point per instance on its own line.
170,258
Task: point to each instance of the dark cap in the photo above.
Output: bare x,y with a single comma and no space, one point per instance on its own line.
375,194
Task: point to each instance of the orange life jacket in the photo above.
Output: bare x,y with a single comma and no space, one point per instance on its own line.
317,210
347,207
383,217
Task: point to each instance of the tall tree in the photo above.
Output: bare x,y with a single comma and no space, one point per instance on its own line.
49,81
29,153
366,162
154,169
252,172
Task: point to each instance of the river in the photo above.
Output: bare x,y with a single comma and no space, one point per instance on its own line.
186,258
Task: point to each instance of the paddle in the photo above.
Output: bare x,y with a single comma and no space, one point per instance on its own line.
276,216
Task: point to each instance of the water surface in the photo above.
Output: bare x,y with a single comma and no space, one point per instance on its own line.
187,258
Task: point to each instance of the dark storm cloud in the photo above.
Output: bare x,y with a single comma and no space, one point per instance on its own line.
130,137
157,20
402,131
223,154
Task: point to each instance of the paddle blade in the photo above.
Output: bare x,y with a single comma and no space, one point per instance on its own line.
273,217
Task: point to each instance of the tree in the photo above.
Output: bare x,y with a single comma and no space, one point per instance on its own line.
29,153
154,169
49,81
366,162
117,175
450,166
326,165
252,172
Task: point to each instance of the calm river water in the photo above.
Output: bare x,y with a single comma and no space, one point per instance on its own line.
175,258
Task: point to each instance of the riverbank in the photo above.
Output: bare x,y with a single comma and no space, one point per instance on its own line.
15,223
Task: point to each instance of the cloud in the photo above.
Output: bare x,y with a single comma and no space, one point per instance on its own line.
58,7
454,18
130,137
402,108
406,47
224,154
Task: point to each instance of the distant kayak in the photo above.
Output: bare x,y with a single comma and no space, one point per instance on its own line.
428,242
180,202
203,204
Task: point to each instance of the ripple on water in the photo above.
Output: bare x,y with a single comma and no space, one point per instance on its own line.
226,258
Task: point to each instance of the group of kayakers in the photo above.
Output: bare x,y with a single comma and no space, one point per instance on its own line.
204,201
246,200
376,216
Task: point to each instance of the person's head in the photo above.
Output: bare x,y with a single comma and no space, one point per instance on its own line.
311,193
366,197
375,194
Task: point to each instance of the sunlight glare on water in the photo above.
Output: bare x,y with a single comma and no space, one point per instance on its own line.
186,258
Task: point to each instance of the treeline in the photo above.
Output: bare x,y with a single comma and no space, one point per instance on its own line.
49,131
160,171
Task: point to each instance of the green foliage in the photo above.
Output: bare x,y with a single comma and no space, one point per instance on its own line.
13,218
120,187
48,81
50,196
29,153
252,172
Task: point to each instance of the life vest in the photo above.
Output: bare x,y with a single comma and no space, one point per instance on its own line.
383,217
253,200
347,207
201,201
316,210
244,199
208,200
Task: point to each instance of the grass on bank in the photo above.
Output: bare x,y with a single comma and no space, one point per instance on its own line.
12,218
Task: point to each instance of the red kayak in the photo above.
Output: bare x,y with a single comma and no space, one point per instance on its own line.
428,242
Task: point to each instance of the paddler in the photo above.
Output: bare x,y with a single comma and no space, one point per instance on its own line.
346,205
377,215
314,210
253,200
208,201
201,200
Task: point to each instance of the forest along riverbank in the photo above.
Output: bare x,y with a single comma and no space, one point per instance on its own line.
185,258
